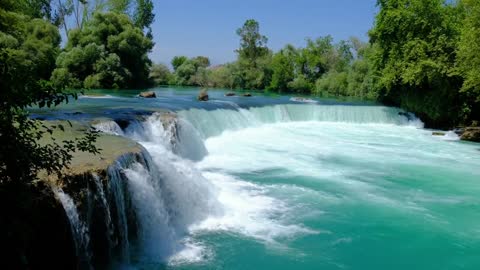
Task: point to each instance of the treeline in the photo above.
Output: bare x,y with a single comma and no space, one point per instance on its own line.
423,55
257,67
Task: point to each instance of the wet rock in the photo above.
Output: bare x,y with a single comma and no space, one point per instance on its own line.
471,134
247,95
203,95
230,94
438,133
148,94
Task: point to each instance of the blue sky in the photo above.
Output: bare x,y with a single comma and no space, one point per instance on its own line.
207,27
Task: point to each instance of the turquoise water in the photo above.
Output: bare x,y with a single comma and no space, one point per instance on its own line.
332,185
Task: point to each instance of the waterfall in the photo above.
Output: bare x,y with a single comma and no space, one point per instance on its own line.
117,194
109,127
156,237
100,194
78,228
213,123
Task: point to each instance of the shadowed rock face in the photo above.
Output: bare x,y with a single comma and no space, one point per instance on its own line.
35,231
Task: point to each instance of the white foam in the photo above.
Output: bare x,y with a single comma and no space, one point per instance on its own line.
249,211
450,136
192,252
109,127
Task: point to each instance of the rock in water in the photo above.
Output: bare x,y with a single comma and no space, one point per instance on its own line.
230,94
203,95
247,95
438,133
148,94
471,134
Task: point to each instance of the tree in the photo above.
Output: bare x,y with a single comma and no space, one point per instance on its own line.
223,76
184,72
469,59
316,58
253,57
416,44
160,74
109,52
177,61
283,69
27,50
201,61
252,43
144,16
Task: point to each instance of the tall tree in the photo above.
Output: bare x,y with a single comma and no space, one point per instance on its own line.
416,41
252,43
283,68
469,57
254,57
144,16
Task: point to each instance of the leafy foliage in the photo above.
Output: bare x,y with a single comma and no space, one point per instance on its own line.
469,57
109,52
160,74
416,58
27,55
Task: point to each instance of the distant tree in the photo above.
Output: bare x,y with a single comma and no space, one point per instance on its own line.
223,76
254,57
252,43
344,56
160,74
177,61
316,58
184,72
201,77
300,84
283,68
201,61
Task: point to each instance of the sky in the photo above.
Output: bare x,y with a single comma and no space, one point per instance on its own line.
207,27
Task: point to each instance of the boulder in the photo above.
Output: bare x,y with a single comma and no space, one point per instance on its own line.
247,95
438,133
230,94
148,94
471,134
203,95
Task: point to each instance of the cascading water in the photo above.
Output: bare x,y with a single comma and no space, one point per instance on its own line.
78,228
109,127
213,123
289,184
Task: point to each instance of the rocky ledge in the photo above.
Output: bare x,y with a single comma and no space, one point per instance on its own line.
38,230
